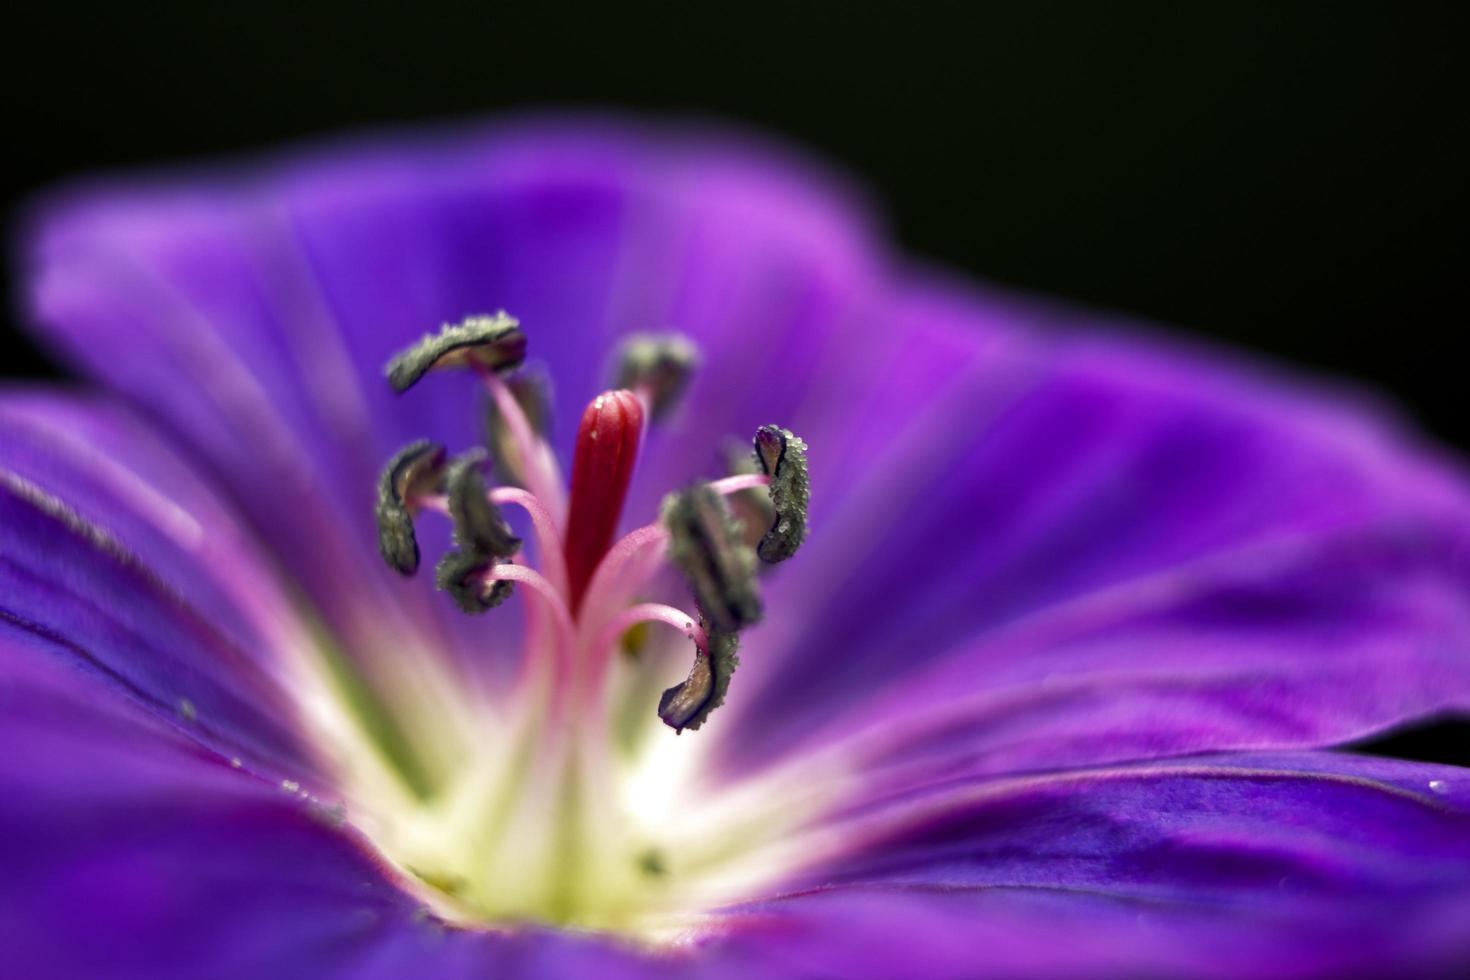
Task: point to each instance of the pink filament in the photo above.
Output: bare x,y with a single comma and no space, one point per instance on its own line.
543,478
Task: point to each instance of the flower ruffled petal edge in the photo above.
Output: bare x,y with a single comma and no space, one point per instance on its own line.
1304,864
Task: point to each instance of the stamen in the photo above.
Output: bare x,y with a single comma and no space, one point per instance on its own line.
478,525
619,572
590,582
414,472
736,484
705,544
493,343
613,631
651,612
548,542
782,457
602,466
468,578
658,368
750,502
688,705
504,574
531,390
534,459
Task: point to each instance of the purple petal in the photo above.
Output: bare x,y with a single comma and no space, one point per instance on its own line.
1299,865
117,560
130,852
1093,548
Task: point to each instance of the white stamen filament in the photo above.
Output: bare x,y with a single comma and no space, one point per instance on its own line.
543,588
739,482
542,474
607,637
652,612
548,541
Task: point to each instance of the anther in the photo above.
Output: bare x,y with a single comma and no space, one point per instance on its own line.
531,390
464,574
689,704
415,471
490,343
782,457
478,526
658,367
752,506
706,545
602,466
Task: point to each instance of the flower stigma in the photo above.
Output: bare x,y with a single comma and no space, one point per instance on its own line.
562,795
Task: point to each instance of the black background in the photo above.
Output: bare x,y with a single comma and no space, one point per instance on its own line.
1289,177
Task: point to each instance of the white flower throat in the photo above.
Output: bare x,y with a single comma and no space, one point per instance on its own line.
568,800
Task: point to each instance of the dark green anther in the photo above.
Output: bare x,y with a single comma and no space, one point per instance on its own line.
661,365
414,471
531,389
651,862
478,526
782,457
689,704
752,507
462,573
705,543
492,342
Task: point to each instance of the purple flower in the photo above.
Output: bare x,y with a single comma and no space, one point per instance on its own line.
1047,689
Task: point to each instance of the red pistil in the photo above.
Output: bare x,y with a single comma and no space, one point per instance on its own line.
607,447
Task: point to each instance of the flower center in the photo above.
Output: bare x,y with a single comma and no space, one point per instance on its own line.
566,798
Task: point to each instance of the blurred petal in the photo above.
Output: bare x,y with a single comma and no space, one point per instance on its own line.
117,560
1297,865
131,852
1095,548
1030,549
